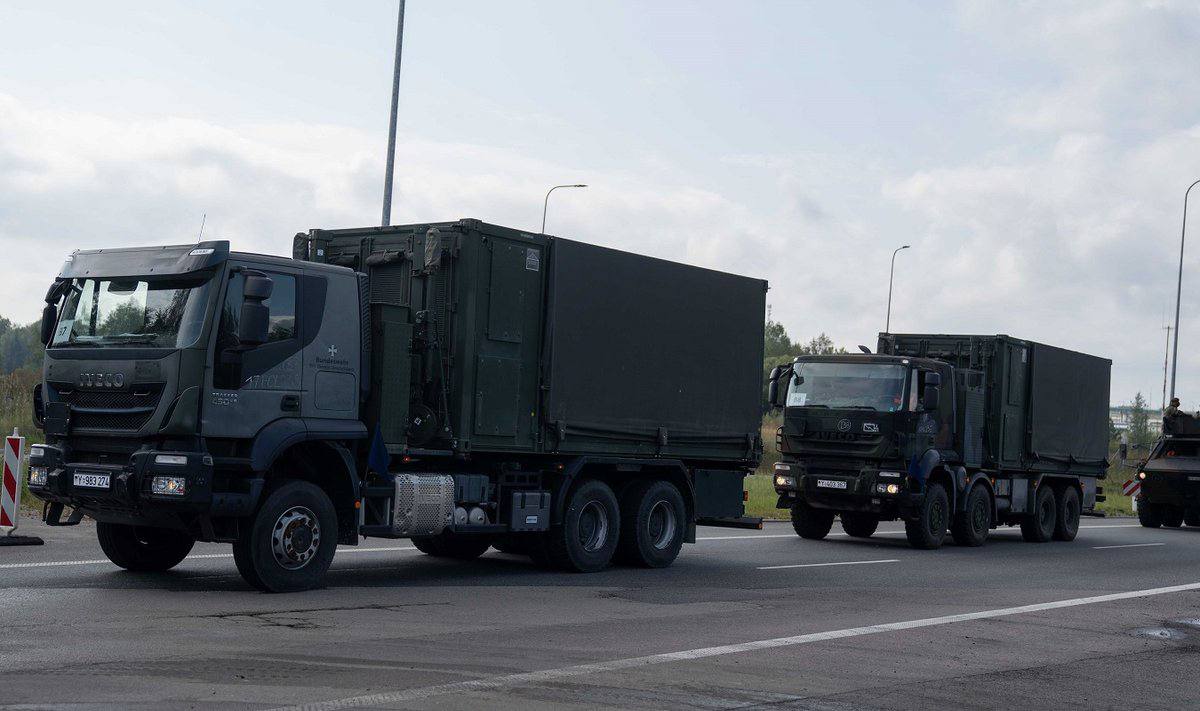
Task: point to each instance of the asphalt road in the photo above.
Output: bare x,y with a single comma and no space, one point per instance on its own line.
744,619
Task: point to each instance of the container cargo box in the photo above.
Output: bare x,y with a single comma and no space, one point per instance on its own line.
1045,408
489,339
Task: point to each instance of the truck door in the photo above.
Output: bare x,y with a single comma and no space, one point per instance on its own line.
267,385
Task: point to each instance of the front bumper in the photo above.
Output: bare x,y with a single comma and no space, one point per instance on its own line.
1172,489
869,490
128,496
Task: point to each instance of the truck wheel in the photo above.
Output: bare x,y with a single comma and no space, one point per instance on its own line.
451,545
652,525
289,542
1066,525
1192,517
859,525
1038,527
972,524
513,543
141,548
587,538
1172,516
811,523
929,530
1149,515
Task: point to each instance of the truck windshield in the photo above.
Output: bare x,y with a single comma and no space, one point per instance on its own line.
875,386
124,312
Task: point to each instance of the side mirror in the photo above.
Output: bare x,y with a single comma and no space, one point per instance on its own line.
773,392
49,315
255,322
934,379
931,397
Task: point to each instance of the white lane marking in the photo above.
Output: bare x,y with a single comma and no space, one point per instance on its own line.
1128,545
825,565
535,677
735,538
199,556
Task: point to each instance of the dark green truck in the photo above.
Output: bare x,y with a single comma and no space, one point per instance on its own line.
949,433
1170,477
461,384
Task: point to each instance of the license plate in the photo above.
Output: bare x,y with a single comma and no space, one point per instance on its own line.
831,483
92,481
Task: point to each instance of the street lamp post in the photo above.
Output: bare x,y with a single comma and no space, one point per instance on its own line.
891,274
391,149
546,202
1179,289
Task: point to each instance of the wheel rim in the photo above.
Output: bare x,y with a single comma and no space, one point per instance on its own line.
662,525
593,527
979,517
937,518
1072,511
295,538
1046,514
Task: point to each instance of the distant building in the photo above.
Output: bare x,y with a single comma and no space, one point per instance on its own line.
1122,414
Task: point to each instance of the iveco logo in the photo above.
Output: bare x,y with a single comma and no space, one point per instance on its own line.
101,380
871,427
843,425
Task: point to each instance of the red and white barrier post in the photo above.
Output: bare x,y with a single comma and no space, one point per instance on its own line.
10,493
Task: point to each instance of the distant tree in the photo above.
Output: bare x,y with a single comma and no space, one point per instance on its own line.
780,349
820,345
1139,422
776,340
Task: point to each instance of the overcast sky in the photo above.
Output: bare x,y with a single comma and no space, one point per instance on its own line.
1034,155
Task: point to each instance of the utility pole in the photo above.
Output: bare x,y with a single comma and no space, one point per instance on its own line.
391,149
1166,357
891,273
1179,289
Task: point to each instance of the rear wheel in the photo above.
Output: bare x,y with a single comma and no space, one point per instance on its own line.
1149,515
652,524
1066,525
290,541
929,530
514,543
1038,527
1172,516
972,524
1192,517
811,523
142,548
587,538
859,525
451,545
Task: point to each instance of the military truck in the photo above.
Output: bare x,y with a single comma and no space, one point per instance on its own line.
461,384
946,432
1170,477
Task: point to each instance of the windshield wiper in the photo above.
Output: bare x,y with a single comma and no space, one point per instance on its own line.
859,407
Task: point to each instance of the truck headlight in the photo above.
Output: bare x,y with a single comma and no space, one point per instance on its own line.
891,489
784,481
38,476
178,460
1141,475
169,485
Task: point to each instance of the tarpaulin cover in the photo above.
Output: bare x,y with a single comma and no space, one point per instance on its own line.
646,347
1068,406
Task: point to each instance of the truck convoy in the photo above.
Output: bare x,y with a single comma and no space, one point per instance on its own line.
947,432
461,384
1170,476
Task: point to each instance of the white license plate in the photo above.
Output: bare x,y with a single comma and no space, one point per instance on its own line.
92,481
831,483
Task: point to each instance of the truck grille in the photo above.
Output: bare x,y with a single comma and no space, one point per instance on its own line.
120,411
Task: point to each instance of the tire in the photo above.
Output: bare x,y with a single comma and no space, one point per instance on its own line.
141,548
859,525
653,521
929,530
1172,516
1066,519
1192,517
1149,515
811,523
290,541
587,539
972,524
1038,527
451,545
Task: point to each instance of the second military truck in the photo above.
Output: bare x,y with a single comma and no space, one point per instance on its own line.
461,384
949,433
1170,477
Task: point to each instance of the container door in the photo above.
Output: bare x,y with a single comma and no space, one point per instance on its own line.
506,364
1013,408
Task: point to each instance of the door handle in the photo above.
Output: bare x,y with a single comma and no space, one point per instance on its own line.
290,403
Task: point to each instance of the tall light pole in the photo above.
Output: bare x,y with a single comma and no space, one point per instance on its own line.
891,273
546,202
1179,289
391,149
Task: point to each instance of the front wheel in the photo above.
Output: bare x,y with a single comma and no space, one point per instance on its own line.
972,524
450,545
1038,527
141,548
811,523
289,542
1149,515
1192,517
1172,516
929,530
859,525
